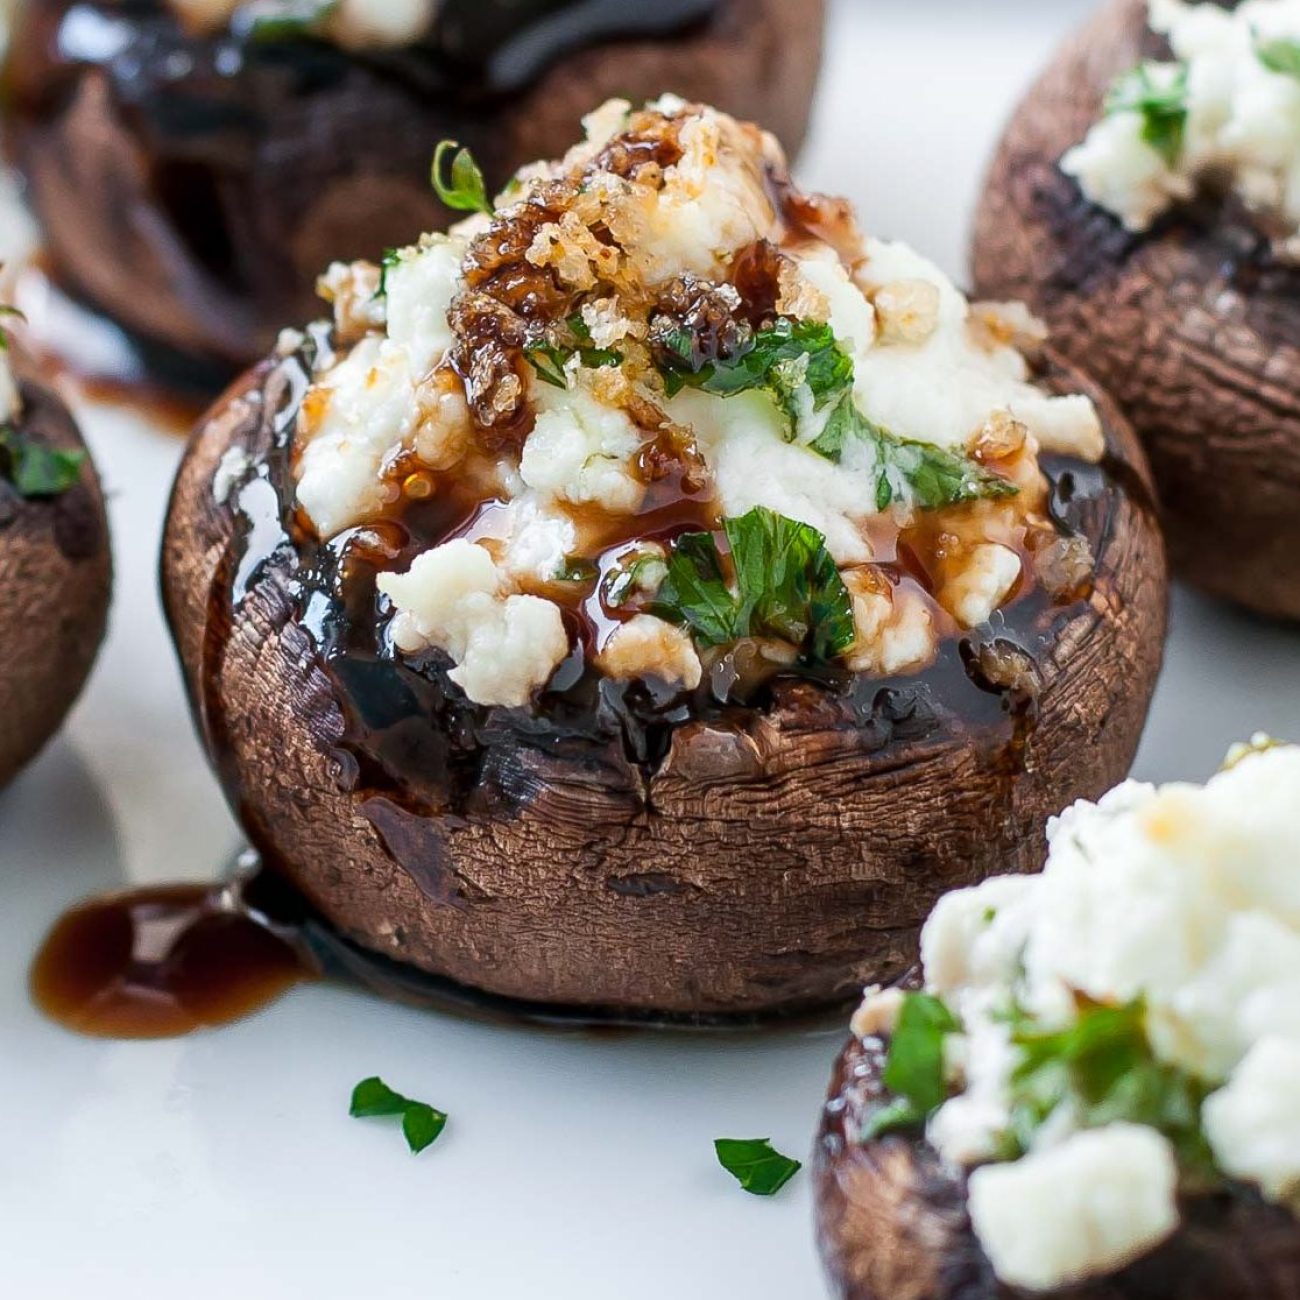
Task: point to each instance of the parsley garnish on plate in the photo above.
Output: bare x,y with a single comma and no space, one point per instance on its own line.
1160,102
755,1164
783,584
421,1123
463,189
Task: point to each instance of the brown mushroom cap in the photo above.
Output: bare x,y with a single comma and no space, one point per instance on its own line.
754,860
1194,328
892,1222
55,579
197,210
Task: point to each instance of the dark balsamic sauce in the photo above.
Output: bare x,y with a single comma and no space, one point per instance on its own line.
165,961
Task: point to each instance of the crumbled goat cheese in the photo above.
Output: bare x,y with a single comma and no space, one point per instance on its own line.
1183,897
1096,1202
646,646
990,573
582,451
1253,1124
393,409
454,598
1243,119
878,1014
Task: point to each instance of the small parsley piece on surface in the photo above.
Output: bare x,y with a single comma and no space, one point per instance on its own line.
35,469
785,585
914,1069
465,190
549,359
1279,54
1162,105
421,1123
755,1164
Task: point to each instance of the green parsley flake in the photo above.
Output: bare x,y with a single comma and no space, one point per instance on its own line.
421,1123
914,1070
465,190
1160,99
35,469
806,371
786,585
1279,54
755,1165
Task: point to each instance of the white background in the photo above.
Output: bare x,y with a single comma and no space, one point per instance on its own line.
574,1167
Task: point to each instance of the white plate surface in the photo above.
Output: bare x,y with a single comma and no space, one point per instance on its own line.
575,1167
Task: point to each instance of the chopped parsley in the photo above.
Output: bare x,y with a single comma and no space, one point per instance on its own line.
34,469
421,1123
391,259
809,375
1103,1065
783,584
755,1164
1279,54
464,189
1161,103
781,360
907,469
549,358
914,1070
282,20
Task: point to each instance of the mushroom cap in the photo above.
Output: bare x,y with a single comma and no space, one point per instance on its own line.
55,581
892,1222
198,211
1193,327
756,860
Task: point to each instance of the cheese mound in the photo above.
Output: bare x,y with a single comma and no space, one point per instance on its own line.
1229,106
1180,900
524,358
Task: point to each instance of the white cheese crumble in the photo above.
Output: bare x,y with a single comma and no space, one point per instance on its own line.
1096,1202
928,369
1242,119
454,598
1186,898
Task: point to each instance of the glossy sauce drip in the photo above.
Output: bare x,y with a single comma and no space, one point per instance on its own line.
162,962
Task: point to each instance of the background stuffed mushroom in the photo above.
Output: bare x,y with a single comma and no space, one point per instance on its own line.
1186,312
711,805
55,565
194,166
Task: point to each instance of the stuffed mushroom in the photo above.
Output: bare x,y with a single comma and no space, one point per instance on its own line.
55,565
1146,203
649,596
194,163
1093,1095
